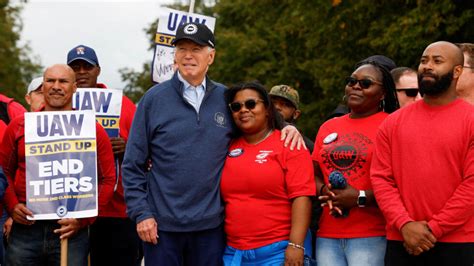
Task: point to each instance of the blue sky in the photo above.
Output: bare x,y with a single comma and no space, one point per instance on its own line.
115,29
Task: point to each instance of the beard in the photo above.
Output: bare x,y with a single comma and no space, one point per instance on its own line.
436,87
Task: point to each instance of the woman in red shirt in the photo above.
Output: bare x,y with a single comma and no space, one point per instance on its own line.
352,228
265,186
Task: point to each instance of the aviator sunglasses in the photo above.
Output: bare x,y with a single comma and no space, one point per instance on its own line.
364,83
410,92
249,104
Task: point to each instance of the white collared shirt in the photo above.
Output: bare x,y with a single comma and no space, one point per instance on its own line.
194,95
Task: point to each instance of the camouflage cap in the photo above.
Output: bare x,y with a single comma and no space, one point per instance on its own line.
286,92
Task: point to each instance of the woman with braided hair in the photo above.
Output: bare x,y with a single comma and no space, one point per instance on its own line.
352,228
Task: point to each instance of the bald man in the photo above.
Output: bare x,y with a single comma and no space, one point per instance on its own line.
38,242
423,170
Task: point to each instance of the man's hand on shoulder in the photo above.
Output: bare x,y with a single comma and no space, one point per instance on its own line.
292,137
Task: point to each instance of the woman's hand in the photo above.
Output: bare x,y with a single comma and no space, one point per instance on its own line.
294,256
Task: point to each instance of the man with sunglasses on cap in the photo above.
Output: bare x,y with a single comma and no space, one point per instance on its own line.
423,169
406,85
183,127
113,238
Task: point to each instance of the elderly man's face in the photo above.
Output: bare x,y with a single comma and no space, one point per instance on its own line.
58,87
193,60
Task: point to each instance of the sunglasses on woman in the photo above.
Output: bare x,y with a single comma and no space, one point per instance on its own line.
364,83
410,92
249,104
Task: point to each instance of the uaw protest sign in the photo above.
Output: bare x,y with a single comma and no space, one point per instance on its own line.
168,22
106,103
61,164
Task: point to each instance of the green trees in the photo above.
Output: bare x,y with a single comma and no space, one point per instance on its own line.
314,44
16,66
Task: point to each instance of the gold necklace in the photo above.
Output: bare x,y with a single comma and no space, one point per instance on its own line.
264,138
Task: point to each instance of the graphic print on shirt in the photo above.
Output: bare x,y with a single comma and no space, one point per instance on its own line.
261,157
219,118
347,154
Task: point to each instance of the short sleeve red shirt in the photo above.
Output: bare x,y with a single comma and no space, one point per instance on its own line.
258,183
350,153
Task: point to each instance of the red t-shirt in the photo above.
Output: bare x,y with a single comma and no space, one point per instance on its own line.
424,170
351,154
117,206
12,159
258,183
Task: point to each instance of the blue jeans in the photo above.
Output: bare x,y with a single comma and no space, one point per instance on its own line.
38,245
272,254
198,248
369,251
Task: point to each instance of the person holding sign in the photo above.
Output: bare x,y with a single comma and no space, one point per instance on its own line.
184,128
28,237
113,236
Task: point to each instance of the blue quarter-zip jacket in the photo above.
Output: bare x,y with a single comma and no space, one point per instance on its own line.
187,150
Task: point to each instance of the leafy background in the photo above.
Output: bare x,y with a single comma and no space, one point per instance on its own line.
311,45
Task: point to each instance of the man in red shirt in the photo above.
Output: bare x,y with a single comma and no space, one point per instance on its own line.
423,170
114,239
28,239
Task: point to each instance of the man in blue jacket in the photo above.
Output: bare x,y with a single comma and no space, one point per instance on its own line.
174,157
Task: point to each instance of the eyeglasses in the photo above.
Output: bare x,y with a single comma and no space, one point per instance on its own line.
364,83
410,92
468,67
249,104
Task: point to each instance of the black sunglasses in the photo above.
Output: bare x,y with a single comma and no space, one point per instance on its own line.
249,104
364,83
410,92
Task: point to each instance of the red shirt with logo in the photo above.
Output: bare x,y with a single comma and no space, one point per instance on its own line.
258,183
350,153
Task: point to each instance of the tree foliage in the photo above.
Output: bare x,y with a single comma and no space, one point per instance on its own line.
313,44
17,68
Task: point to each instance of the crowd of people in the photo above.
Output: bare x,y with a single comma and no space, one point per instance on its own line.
202,174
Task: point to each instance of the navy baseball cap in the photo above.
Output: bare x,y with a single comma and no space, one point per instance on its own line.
82,52
196,32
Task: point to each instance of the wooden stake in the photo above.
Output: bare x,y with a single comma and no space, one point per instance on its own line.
64,252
